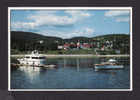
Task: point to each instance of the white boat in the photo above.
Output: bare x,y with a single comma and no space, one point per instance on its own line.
33,59
111,64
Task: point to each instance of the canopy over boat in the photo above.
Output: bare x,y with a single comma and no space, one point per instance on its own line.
112,60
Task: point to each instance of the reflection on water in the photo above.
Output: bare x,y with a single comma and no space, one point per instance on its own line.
31,72
72,73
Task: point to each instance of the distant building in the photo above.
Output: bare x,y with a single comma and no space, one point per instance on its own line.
103,48
60,47
117,51
86,46
72,46
78,45
66,46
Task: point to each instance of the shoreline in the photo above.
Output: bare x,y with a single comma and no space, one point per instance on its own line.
82,55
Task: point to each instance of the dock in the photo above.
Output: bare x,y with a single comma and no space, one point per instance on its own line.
13,65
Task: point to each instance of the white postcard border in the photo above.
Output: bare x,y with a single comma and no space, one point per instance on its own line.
76,8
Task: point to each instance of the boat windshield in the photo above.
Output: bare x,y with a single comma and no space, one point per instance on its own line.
27,57
41,57
34,57
38,57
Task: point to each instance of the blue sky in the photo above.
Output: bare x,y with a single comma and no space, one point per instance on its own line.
71,23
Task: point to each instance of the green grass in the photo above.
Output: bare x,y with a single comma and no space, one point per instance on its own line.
71,52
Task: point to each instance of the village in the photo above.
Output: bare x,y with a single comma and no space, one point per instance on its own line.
95,46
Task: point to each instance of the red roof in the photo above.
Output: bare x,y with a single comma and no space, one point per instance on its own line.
66,45
86,45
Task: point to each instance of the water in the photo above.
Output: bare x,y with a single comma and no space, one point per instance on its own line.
71,73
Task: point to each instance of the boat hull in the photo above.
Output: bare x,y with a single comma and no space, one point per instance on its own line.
109,67
32,62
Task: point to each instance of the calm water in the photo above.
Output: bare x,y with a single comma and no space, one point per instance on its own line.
71,73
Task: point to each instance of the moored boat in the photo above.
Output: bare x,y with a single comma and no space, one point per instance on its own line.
33,59
111,64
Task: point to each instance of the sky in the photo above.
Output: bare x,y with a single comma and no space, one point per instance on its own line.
71,23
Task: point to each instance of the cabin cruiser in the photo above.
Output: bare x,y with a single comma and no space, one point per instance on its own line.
33,59
110,64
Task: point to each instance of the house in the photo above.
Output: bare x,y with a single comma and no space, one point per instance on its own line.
117,51
86,46
103,48
78,45
66,46
72,46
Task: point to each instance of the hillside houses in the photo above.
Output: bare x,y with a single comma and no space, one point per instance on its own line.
74,46
83,45
97,46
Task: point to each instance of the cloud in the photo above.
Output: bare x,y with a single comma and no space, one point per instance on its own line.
23,25
48,18
78,13
51,20
122,19
45,12
87,32
114,13
118,15
43,18
48,22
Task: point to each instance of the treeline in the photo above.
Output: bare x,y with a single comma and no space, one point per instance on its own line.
27,41
120,42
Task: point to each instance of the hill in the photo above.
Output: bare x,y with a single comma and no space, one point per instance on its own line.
24,41
29,36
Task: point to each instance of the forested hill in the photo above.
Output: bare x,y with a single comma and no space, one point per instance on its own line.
24,41
29,41
29,36
113,36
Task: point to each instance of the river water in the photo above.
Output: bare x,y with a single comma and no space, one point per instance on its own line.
71,73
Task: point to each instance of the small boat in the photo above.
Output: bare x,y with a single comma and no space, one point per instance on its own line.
111,64
33,59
